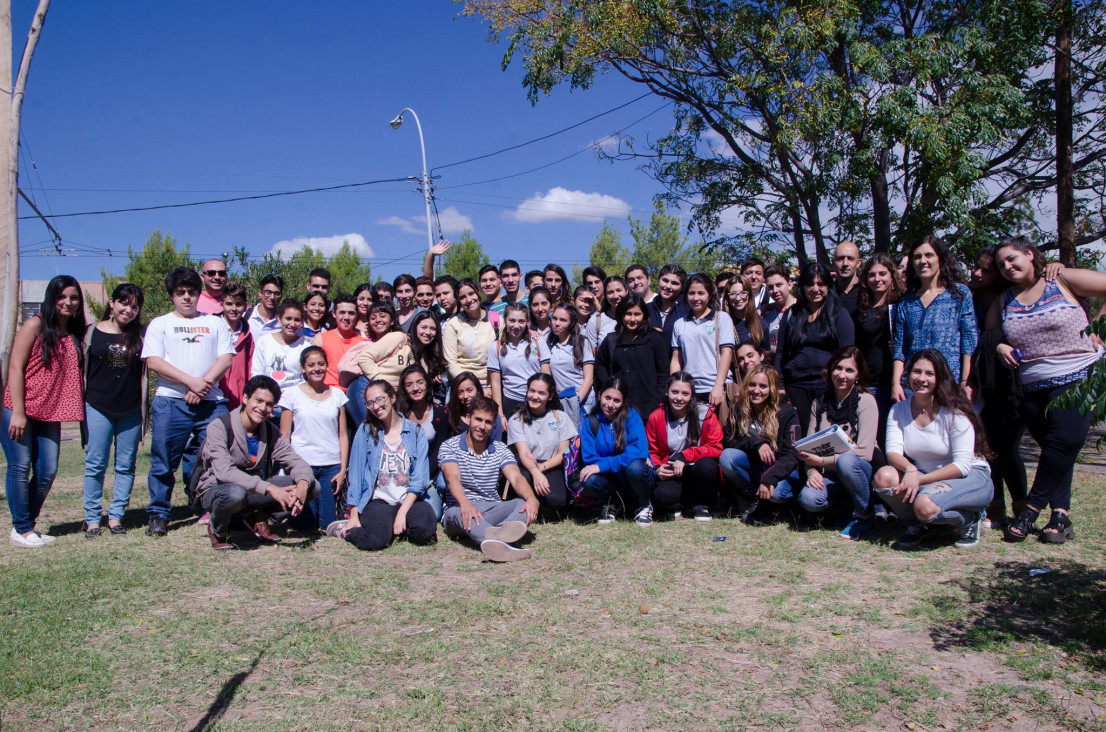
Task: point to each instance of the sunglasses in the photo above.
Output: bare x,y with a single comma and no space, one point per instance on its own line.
215,272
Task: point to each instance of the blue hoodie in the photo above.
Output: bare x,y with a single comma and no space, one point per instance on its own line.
599,449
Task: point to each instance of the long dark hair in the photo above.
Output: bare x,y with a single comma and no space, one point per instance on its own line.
566,285
431,353
799,327
631,300
618,424
404,399
456,409
864,300
694,427
375,425
575,334
554,403
948,394
385,307
326,303
950,274
540,290
133,331
52,331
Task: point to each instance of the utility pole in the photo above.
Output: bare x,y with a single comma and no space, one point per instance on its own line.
1065,184
9,155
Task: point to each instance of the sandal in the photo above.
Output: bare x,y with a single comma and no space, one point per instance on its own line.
1022,526
1058,529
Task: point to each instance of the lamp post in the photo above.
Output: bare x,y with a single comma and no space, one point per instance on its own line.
395,123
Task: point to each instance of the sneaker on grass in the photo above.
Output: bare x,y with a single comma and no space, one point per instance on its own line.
913,538
857,529
970,534
701,513
644,516
336,528
608,514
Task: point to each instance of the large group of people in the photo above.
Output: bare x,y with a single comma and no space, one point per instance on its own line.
481,405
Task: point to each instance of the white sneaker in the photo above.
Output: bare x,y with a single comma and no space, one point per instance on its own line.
336,528
31,541
46,538
498,551
508,532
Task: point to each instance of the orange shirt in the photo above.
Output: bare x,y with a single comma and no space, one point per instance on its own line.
336,346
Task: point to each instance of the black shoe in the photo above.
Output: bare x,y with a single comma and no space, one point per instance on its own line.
157,526
117,530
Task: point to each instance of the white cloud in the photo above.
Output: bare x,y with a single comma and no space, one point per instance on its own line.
716,142
609,144
452,220
562,204
328,245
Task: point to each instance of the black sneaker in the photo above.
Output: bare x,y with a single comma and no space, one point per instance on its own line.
969,535
701,513
913,538
157,526
608,515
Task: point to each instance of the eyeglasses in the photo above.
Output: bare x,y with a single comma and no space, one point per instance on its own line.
378,402
271,293
739,295
215,272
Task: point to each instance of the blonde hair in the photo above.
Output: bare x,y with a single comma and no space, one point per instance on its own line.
743,414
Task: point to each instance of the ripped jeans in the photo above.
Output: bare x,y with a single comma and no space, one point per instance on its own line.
960,499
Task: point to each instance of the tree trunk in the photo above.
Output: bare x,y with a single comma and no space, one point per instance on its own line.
881,208
9,150
797,230
1065,194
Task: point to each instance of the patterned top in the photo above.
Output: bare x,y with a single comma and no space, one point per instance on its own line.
1049,333
54,393
946,325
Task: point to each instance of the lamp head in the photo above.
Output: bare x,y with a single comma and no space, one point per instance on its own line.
395,123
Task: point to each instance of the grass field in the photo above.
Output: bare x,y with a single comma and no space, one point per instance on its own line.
612,627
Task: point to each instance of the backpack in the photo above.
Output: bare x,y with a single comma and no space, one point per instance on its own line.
197,471
572,467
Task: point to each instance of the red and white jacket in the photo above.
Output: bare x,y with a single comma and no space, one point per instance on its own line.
710,439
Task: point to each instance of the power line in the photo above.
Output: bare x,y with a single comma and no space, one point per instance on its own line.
543,137
228,200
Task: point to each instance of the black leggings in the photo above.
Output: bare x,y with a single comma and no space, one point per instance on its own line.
803,401
697,487
557,499
1060,434
1005,428
378,519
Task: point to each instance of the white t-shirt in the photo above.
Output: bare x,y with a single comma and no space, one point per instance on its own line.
315,425
192,345
543,435
394,475
272,357
948,439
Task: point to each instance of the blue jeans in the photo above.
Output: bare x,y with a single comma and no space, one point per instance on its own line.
102,432
849,481
323,509
174,422
355,407
960,499
633,486
743,473
32,465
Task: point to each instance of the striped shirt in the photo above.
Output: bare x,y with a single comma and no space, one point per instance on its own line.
479,472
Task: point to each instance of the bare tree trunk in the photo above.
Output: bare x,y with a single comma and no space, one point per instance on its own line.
9,150
1065,194
881,207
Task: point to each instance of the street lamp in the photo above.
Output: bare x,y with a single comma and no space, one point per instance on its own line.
395,123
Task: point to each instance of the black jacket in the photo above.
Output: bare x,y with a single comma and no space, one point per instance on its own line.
642,363
787,457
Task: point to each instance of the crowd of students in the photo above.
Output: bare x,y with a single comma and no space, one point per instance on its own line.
482,404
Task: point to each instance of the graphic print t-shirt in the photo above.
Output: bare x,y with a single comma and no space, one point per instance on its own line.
394,477
189,344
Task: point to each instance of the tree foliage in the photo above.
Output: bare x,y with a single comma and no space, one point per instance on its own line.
606,252
464,258
874,120
662,242
147,268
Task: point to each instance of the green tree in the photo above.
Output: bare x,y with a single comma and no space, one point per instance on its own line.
606,252
875,121
464,258
346,268
147,268
662,242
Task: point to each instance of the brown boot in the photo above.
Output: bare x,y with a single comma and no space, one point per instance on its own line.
218,542
259,524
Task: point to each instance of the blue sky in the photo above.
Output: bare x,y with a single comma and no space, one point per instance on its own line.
135,103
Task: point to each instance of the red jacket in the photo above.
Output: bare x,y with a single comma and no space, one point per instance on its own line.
710,439
234,380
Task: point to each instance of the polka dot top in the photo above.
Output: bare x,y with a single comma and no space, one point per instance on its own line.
54,393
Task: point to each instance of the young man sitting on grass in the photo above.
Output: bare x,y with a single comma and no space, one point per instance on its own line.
471,464
239,462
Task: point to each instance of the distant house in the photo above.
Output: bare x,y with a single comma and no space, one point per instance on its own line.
32,292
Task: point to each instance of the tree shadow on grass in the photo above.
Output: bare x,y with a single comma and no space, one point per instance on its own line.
1065,608
225,696
135,519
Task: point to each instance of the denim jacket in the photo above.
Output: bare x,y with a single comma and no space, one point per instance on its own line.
364,462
